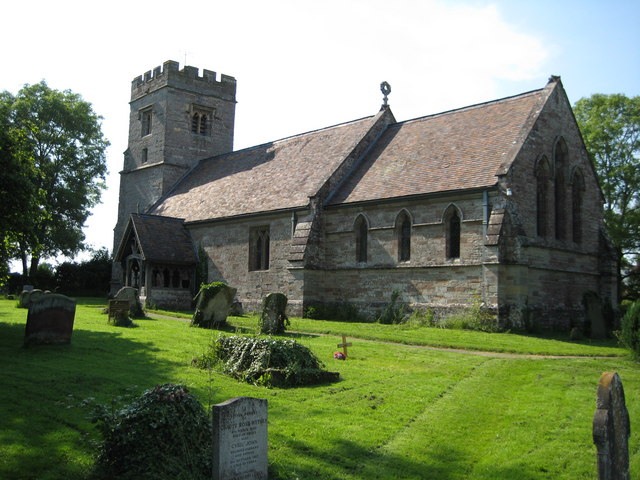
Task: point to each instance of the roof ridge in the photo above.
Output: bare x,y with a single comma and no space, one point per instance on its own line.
472,106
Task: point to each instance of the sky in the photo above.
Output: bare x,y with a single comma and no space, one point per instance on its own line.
302,65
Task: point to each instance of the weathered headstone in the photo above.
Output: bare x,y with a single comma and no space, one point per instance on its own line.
131,295
611,429
240,443
214,305
595,315
274,320
28,296
50,320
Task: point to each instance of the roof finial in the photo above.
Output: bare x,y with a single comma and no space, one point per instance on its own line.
385,88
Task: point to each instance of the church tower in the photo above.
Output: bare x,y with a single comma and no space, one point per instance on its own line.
177,118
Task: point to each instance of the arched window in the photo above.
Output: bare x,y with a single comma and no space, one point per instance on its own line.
362,231
200,120
452,231
195,123
577,195
560,158
403,236
542,198
204,119
259,248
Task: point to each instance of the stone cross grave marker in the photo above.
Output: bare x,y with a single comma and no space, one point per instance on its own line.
344,345
50,320
240,439
611,429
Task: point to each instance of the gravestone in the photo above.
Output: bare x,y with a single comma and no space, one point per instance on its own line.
214,305
28,296
50,320
611,429
274,320
240,439
131,295
595,315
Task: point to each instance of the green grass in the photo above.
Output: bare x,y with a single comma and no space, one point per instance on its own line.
398,411
558,344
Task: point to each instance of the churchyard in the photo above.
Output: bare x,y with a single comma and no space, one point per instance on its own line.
400,410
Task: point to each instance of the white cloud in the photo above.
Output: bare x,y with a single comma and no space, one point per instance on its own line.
300,65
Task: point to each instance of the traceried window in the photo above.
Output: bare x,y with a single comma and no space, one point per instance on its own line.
361,228
542,198
577,196
146,118
560,189
452,232
403,236
201,121
259,248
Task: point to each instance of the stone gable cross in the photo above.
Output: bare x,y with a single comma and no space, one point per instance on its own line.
344,345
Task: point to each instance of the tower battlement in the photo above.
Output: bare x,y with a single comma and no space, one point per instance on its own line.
169,74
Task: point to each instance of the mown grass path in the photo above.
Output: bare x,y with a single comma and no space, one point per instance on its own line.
398,412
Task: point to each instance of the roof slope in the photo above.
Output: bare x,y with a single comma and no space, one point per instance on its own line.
454,150
163,239
273,176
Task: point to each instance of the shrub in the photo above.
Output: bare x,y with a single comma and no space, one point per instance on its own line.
164,434
264,361
476,317
394,312
629,334
273,320
421,318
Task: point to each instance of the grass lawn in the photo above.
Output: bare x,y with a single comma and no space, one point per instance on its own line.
398,411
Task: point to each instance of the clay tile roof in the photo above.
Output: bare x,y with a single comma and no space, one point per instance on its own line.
273,176
163,239
455,150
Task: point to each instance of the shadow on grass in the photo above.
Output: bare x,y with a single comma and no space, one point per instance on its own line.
344,459
41,435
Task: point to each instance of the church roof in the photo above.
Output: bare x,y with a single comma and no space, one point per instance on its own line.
161,239
456,150
274,176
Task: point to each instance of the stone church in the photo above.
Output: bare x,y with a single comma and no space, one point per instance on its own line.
495,203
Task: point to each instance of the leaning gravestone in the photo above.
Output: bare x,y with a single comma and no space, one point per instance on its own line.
131,295
50,320
214,304
240,439
611,429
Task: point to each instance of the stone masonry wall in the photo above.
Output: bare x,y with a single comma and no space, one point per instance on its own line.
427,279
558,271
227,246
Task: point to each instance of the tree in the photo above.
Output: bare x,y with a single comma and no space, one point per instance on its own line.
610,126
56,148
16,190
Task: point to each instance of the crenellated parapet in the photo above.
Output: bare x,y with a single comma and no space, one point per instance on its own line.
169,74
